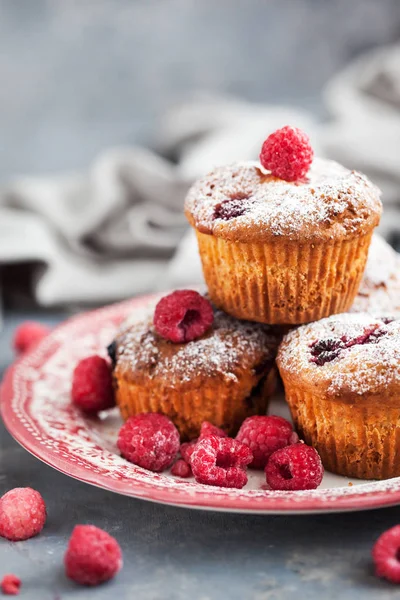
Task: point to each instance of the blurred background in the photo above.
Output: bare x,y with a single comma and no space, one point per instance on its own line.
110,108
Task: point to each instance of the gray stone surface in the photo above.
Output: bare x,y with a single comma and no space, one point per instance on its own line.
179,554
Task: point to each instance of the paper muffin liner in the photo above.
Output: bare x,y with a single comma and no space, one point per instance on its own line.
283,282
354,440
225,404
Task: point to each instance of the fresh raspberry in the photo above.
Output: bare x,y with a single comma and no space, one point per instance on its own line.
10,585
149,440
265,435
181,469
183,316
28,334
386,555
287,153
221,461
93,556
22,514
295,467
186,449
208,429
92,387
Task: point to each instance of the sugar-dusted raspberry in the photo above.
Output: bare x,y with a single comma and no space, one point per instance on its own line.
221,461
287,153
92,387
28,334
186,449
208,429
183,316
149,440
295,467
93,556
181,468
10,585
264,435
22,514
386,555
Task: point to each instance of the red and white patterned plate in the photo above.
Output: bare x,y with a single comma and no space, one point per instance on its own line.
36,409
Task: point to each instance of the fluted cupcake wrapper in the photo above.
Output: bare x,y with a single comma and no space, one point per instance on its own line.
361,441
283,282
225,404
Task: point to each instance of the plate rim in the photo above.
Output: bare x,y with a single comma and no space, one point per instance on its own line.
267,504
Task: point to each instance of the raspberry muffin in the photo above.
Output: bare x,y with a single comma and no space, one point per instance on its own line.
283,252
342,384
379,291
222,374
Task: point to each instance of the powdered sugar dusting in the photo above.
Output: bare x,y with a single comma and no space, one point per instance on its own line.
360,366
229,346
379,291
332,202
36,408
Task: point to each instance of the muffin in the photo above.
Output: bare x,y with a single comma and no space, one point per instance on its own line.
342,384
379,292
223,377
283,252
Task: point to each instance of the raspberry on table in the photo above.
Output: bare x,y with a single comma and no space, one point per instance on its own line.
149,440
186,449
28,334
93,556
264,435
221,461
208,429
295,467
386,555
10,585
22,514
183,316
287,153
181,468
92,387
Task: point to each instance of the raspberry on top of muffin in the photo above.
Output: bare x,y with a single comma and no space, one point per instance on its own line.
223,374
241,202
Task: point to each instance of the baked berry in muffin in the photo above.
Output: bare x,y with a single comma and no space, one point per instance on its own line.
379,292
221,373
342,384
283,252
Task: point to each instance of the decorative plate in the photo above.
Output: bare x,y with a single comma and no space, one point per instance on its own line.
36,409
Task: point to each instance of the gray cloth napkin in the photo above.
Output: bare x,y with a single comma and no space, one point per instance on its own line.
111,232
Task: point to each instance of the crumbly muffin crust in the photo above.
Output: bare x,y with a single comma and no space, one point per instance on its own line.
379,292
241,202
361,364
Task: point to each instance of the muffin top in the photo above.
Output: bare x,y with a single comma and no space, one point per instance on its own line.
379,291
228,349
242,202
349,356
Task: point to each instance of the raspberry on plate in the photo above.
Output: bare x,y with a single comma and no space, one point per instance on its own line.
186,449
92,387
264,435
287,153
385,554
208,429
10,585
22,514
221,461
181,468
183,316
28,334
295,467
149,440
93,556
